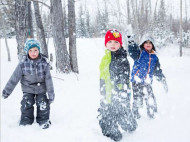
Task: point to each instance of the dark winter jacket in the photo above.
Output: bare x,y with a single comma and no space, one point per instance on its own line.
114,72
145,65
34,76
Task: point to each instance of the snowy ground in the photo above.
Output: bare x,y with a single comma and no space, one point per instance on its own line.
74,112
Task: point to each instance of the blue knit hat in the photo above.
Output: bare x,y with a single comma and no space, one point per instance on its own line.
31,43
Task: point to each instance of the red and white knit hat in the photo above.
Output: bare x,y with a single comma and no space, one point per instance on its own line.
113,35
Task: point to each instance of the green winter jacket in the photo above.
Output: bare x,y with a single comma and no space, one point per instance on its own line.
114,72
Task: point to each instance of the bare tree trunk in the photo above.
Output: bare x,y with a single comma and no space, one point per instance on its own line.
40,29
30,33
155,13
180,28
72,36
20,25
128,12
5,36
62,56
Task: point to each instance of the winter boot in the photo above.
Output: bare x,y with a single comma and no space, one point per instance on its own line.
46,125
117,136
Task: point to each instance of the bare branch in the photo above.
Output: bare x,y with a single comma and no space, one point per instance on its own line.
41,3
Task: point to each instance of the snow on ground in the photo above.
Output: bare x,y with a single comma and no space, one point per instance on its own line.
74,112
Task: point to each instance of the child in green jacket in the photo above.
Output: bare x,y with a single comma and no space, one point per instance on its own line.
114,86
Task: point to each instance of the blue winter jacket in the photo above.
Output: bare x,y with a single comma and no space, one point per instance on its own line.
145,65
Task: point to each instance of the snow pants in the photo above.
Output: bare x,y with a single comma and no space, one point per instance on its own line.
143,92
27,109
118,113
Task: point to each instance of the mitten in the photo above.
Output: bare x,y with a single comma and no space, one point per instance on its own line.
4,94
129,93
50,101
164,83
129,90
130,39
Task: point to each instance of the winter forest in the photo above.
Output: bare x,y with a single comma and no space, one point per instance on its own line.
72,36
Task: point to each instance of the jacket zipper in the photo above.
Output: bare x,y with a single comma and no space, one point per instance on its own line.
148,66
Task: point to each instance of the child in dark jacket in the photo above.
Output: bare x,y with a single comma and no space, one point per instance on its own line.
34,74
146,65
114,86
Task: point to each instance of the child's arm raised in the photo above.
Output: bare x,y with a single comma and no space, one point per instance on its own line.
134,51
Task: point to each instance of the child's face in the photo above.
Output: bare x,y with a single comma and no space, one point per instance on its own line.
33,53
113,45
148,45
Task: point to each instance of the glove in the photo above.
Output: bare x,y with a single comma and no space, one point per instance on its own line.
165,85
130,39
129,90
50,101
4,94
129,93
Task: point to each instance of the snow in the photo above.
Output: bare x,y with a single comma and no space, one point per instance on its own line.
74,111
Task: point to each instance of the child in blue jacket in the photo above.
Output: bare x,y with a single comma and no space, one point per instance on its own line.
146,65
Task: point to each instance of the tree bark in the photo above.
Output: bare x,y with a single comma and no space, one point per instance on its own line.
72,36
40,29
180,28
5,36
30,33
62,56
20,25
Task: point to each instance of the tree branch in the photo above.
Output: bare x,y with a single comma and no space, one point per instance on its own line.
41,3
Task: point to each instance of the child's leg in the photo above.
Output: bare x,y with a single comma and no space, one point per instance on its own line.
107,122
137,99
150,101
43,109
27,109
126,119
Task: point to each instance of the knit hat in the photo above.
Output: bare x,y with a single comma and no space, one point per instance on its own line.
113,35
31,43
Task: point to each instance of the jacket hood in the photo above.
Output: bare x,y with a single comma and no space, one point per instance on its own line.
145,38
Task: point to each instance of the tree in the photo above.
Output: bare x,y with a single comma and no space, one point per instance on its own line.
62,56
72,36
29,22
180,30
88,27
66,28
5,36
81,32
20,25
40,29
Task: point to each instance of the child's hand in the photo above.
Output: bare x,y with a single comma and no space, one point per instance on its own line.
130,39
165,85
4,94
50,101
